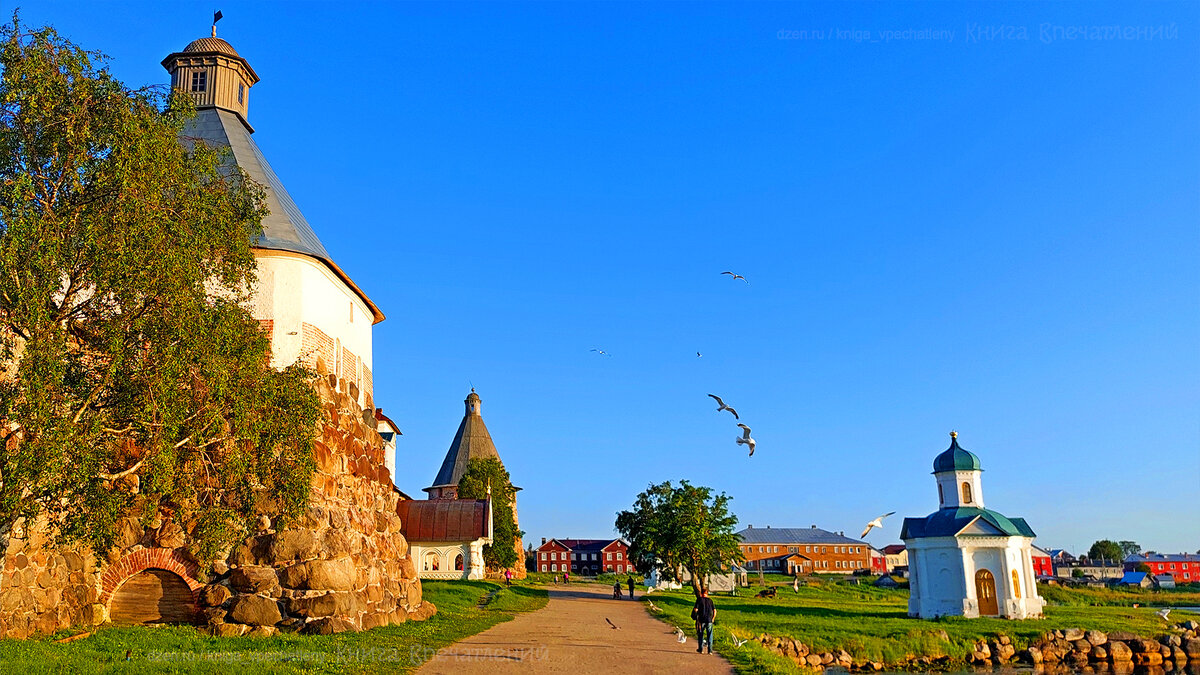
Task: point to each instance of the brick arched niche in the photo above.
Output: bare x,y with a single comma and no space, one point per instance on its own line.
158,582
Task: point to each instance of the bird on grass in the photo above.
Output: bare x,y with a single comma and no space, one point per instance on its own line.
745,438
796,584
736,276
653,606
601,352
721,406
614,626
679,636
878,522
1162,613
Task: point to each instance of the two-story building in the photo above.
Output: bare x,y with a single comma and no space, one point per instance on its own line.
798,550
584,556
1184,567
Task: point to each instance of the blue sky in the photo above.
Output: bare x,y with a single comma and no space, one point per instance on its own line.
968,231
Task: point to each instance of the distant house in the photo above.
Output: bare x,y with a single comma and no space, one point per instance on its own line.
896,555
765,549
1183,567
1164,581
1059,556
1043,562
878,562
1140,579
584,556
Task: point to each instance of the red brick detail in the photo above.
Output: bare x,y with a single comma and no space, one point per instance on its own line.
267,326
168,559
316,344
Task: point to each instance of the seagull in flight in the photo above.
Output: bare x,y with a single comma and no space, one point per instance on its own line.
878,522
722,405
614,626
601,352
745,438
736,276
796,584
1163,613
698,355
738,642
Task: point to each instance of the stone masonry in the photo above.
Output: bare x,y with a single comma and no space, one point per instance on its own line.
342,565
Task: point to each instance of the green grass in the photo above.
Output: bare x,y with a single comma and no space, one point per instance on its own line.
873,624
175,649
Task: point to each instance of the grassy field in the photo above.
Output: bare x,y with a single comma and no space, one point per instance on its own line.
176,649
873,624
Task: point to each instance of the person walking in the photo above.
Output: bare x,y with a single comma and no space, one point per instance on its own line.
617,591
630,586
705,614
508,577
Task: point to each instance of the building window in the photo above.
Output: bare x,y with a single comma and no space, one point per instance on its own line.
619,557
543,568
458,562
824,549
554,567
620,568
808,549
966,490
199,81
608,556
1016,585
941,497
241,93
543,555
431,561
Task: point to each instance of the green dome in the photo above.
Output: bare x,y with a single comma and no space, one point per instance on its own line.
955,458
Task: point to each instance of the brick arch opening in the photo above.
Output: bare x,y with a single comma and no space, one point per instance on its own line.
153,585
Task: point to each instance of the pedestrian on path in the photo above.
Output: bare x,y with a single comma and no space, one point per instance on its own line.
705,614
630,586
508,577
617,591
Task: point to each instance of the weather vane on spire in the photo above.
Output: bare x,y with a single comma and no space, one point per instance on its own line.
216,18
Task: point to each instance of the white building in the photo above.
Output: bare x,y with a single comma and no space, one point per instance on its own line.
446,536
965,559
313,311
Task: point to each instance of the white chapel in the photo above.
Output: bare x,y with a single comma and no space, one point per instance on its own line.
965,559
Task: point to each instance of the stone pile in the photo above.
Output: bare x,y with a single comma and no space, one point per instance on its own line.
1070,647
1083,648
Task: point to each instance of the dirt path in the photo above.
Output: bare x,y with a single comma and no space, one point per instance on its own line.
570,635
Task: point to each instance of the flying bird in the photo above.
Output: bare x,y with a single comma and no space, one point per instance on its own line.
1163,613
736,276
878,522
722,405
796,584
614,626
745,438
738,642
653,606
601,352
698,355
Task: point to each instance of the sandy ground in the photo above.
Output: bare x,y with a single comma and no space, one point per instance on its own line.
570,635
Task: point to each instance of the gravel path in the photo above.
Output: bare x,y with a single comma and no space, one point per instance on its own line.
570,635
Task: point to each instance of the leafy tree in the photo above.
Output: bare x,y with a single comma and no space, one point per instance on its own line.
1143,567
481,473
1077,573
1129,548
135,382
1105,548
681,528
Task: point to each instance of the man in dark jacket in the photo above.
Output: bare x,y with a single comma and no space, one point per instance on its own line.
705,614
630,586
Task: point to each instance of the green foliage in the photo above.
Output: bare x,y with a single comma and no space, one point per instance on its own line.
1106,549
676,528
480,474
1121,596
1143,567
135,380
464,609
1077,573
1129,548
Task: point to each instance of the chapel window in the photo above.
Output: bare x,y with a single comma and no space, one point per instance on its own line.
458,562
241,92
1016,585
966,490
199,81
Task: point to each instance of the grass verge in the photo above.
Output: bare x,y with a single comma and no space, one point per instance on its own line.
873,624
182,649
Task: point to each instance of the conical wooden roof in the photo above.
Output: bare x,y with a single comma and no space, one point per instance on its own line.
471,442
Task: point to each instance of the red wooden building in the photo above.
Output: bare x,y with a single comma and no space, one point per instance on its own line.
584,556
1184,567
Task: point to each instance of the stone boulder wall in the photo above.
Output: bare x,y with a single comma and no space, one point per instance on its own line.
342,565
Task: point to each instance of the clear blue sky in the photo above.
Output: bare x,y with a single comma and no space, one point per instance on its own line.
975,232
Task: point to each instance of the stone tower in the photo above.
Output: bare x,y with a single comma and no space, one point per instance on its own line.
471,441
313,311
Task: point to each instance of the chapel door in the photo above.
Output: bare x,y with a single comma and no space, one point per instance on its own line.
985,592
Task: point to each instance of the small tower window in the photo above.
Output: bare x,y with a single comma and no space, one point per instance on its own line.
241,93
200,81
966,490
941,496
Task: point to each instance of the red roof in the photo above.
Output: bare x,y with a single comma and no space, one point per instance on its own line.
893,549
443,519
